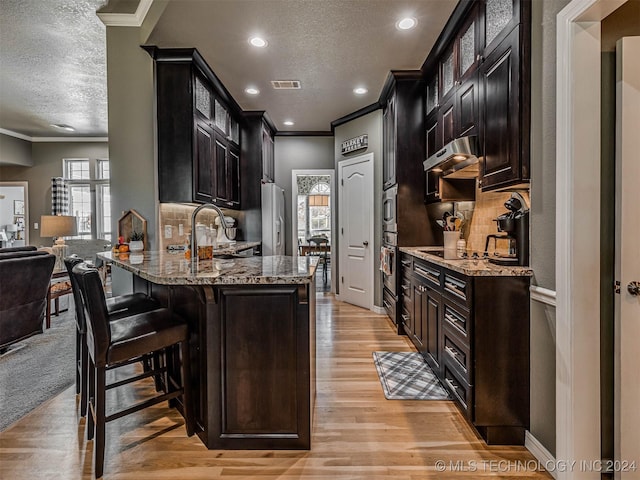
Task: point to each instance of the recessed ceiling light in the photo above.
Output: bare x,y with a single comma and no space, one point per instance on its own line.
258,42
288,123
252,91
360,91
406,23
62,126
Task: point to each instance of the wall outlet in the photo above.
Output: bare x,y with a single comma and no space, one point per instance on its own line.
35,226
168,231
180,229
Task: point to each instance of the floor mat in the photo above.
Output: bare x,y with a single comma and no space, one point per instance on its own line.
406,376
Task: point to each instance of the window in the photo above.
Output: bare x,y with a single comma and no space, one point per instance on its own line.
89,196
314,213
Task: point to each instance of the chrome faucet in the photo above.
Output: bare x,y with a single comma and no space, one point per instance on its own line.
223,224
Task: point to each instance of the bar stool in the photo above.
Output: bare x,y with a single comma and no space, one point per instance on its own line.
117,307
118,343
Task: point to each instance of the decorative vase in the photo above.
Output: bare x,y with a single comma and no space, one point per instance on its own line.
136,245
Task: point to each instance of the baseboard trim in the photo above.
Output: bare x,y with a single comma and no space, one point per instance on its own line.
377,309
538,450
543,295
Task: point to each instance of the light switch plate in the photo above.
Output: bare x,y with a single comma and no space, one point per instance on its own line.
180,229
167,231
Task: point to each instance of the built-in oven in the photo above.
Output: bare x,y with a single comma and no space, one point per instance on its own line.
391,251
389,212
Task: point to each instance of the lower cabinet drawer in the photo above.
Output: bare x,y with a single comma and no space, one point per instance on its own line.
389,303
461,390
458,354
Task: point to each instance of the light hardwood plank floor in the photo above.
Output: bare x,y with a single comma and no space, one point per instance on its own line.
357,433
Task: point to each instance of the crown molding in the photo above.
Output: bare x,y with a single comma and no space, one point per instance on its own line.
11,133
127,19
21,136
70,139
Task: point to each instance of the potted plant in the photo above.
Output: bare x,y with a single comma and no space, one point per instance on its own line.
136,243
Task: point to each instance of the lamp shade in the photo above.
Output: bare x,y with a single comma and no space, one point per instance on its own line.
318,200
58,226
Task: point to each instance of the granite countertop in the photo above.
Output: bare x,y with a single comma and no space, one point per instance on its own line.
173,269
221,248
473,267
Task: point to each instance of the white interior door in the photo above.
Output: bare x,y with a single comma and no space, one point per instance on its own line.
627,303
355,179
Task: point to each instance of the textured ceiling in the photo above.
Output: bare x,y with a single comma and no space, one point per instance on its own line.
331,46
53,67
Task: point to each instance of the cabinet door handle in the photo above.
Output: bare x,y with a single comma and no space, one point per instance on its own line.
452,319
450,384
455,289
451,352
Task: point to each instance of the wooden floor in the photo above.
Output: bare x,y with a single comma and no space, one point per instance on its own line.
357,433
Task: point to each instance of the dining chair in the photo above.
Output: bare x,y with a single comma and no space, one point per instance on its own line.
113,344
320,247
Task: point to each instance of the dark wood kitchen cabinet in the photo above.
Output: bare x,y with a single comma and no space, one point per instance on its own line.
389,132
198,131
427,308
226,181
478,83
499,18
404,218
505,115
252,350
258,134
473,331
268,155
203,176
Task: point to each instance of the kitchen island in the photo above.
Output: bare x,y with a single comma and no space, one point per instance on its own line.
252,323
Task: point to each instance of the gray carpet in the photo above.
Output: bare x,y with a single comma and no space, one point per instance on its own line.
406,376
37,369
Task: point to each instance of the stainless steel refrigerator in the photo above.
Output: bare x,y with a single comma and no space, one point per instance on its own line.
273,222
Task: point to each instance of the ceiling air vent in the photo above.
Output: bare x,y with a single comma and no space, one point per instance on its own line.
286,84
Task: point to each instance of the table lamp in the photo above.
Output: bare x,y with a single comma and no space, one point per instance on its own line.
58,226
12,229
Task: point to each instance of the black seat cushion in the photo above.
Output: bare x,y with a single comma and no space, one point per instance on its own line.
132,303
146,332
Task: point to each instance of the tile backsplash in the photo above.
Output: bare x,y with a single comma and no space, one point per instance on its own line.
488,206
176,214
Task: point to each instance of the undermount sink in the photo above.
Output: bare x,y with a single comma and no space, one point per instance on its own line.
224,256
437,253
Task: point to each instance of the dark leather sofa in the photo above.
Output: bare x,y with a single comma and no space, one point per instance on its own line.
25,274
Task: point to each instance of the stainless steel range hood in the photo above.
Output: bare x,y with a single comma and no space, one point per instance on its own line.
458,159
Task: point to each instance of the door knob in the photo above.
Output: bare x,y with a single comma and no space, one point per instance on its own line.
365,243
634,288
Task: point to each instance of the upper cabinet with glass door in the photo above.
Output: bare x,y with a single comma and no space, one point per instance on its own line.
225,123
459,62
499,18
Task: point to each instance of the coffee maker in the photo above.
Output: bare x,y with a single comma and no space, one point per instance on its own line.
515,225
